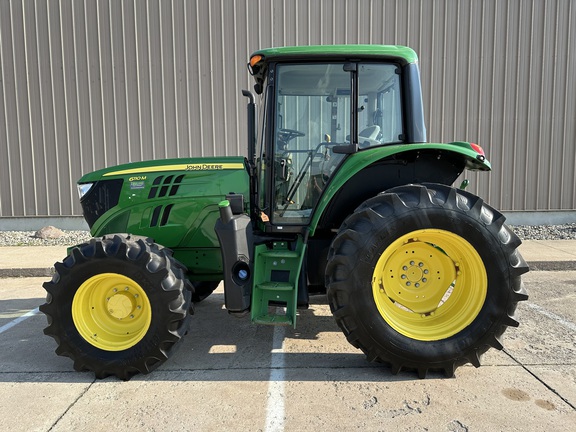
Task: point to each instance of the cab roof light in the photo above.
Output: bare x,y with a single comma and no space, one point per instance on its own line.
254,60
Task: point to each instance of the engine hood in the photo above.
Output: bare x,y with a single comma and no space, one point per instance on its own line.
174,201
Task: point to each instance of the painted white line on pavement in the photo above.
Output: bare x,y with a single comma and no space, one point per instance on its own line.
275,406
18,320
569,325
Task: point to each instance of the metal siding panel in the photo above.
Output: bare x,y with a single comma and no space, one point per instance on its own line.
524,127
73,161
117,102
561,176
45,103
6,194
202,62
96,83
98,125
23,150
131,89
568,198
36,167
83,138
215,103
178,77
507,141
192,77
145,106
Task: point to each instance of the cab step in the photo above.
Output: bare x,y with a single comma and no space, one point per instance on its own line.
275,285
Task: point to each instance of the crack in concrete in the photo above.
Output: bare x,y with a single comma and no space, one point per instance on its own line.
541,380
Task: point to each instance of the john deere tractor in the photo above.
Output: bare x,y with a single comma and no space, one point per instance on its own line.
340,194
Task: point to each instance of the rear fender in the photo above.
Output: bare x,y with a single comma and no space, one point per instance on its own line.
369,172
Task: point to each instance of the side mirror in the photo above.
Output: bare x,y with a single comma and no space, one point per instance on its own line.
346,149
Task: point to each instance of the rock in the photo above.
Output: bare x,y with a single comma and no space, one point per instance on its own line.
48,232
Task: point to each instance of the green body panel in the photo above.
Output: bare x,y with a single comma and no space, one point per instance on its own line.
191,205
405,54
276,276
357,161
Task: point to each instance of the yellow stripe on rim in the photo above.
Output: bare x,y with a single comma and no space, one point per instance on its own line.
180,167
429,284
111,312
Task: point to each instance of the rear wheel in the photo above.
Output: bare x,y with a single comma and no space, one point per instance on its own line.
425,278
117,305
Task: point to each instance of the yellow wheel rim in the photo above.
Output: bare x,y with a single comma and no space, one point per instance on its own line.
111,311
429,284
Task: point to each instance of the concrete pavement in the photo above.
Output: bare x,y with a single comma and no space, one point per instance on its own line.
231,375
239,376
38,261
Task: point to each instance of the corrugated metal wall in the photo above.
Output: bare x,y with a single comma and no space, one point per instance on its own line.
88,84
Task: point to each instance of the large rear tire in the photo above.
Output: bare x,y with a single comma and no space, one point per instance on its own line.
425,278
118,305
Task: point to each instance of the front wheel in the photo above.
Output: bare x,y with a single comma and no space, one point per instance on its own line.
118,305
425,277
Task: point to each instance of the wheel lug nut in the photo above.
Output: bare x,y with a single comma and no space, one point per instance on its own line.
408,284
426,271
417,285
411,263
424,280
405,268
403,276
420,264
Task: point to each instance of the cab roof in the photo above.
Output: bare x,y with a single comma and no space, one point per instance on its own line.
259,60
400,53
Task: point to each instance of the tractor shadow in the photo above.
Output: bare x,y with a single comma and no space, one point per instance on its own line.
223,347
219,347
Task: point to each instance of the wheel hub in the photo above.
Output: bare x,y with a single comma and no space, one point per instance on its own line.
111,311
411,283
122,305
429,284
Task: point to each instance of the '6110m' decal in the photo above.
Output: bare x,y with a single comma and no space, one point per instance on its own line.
180,167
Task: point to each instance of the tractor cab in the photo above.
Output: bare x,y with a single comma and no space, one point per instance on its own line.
317,107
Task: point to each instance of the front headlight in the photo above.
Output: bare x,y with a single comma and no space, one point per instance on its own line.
83,189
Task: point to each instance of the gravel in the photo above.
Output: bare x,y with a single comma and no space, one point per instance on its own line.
26,238
70,238
546,232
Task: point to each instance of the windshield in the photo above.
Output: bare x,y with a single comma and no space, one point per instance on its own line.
313,114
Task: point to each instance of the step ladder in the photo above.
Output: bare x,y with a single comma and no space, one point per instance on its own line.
275,284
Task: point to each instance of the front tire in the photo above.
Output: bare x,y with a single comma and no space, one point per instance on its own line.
118,305
425,277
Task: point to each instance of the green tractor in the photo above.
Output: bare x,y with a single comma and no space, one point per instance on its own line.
340,194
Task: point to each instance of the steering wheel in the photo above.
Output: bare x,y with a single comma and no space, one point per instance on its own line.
288,134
